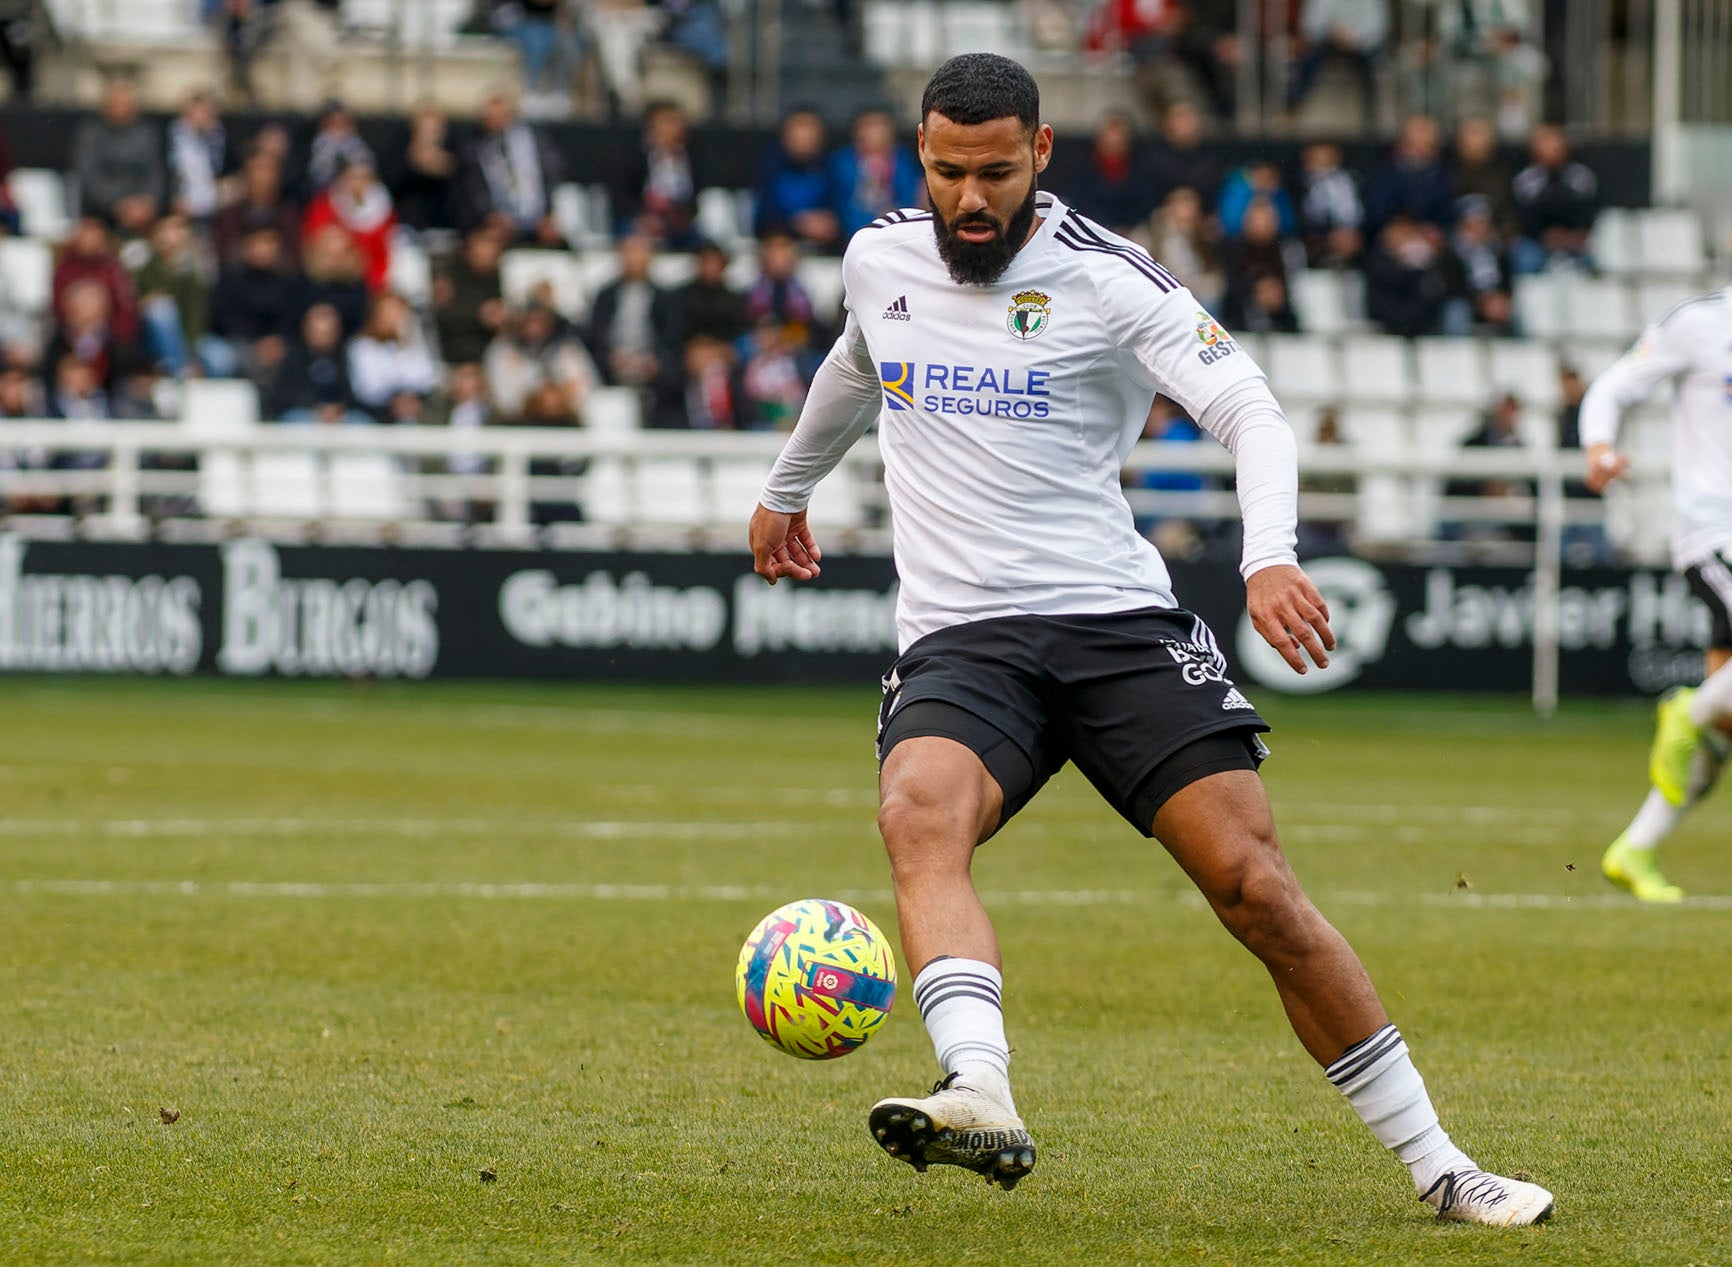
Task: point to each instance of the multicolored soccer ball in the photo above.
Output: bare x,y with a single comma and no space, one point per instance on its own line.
816,979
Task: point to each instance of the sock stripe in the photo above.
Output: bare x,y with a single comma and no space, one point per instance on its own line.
956,992
1361,1056
925,990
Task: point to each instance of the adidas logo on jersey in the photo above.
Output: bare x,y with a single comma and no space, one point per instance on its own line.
898,311
1235,699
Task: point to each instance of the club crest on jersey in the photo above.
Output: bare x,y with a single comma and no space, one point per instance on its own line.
1030,314
1217,343
897,380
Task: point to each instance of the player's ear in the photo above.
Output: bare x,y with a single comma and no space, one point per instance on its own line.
1042,148
920,142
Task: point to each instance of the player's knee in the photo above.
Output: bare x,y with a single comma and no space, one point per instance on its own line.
1265,908
923,829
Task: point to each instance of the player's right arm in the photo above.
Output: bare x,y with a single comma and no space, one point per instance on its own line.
1663,352
840,406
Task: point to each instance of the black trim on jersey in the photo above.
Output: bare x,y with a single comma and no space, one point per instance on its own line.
1137,254
899,217
1076,235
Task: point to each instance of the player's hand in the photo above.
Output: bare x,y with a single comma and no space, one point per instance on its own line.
1605,464
1291,615
782,545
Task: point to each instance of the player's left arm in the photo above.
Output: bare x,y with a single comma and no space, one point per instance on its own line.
1178,349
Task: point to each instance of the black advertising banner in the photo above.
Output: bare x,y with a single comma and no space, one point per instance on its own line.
251,608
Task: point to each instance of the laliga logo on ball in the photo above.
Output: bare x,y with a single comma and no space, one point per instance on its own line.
1361,612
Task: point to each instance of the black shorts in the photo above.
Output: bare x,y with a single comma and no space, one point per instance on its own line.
1711,581
1140,700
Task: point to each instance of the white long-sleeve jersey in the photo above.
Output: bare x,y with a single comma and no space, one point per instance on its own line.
1691,345
1006,412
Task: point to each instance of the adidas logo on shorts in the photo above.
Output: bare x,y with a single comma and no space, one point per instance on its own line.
1235,699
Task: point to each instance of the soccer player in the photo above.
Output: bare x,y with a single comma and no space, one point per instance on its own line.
1011,350
1692,344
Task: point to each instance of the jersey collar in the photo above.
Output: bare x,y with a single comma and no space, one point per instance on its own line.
1051,213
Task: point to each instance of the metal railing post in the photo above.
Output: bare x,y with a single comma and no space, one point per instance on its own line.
513,514
123,489
1548,584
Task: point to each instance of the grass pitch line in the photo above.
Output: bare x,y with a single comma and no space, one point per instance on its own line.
496,892
417,828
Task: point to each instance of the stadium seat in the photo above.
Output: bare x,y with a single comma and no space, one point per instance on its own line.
40,195
1540,305
1591,357
1596,307
521,271
1440,429
839,502
411,272
368,486
970,25
1376,369
1655,298
1527,368
671,270
609,492
670,492
1302,368
1450,371
821,275
613,410
1613,244
1669,242
1377,429
735,485
719,217
1320,300
285,485
213,406
27,274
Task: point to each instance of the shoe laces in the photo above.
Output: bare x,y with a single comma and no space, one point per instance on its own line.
1472,1187
943,1084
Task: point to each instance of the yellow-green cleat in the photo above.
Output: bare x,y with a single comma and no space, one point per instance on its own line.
1636,871
1676,739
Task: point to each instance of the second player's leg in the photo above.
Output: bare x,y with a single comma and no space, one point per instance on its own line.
1220,830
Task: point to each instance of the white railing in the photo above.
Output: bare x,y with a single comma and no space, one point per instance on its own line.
696,490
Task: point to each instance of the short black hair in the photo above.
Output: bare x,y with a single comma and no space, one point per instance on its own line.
980,87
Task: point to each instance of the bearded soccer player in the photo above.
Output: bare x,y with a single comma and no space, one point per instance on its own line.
1010,350
1691,345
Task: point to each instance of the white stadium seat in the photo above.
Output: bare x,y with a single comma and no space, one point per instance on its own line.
26,274
1442,428
735,485
1450,371
1613,243
1597,307
285,485
1378,429
1528,369
670,492
719,217
411,272
1656,298
1669,242
1303,368
1540,305
1320,301
368,486
215,405
40,196
821,275
609,493
1591,357
613,410
1376,368
521,271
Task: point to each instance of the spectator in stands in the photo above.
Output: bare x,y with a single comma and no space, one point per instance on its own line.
1405,284
1180,159
506,178
77,395
1331,214
1585,544
358,202
466,408
696,28
1499,428
1257,180
633,322
794,184
707,307
1256,266
1178,538
1208,43
657,195
174,298
1182,238
1557,200
546,35
1114,188
259,200
86,332
19,35
197,156
1351,31
709,396
1415,183
423,181
537,370
1146,30
1479,300
241,26
22,397
10,220
874,175
1492,36
778,294
336,143
335,275
468,300
1480,172
312,384
1320,535
390,369
772,382
89,255
117,160
256,306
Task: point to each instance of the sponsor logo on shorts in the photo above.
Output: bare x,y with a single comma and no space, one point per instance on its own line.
1197,664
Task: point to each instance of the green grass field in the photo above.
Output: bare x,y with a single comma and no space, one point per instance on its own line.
445,975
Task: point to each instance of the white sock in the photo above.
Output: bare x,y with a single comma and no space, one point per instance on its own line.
1378,1078
960,1001
1713,701
1653,822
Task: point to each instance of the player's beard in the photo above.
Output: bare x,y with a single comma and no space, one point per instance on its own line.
982,263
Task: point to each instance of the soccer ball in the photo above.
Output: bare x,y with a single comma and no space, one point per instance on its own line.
816,979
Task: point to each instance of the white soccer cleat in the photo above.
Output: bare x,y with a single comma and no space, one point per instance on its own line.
957,1125
1478,1196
